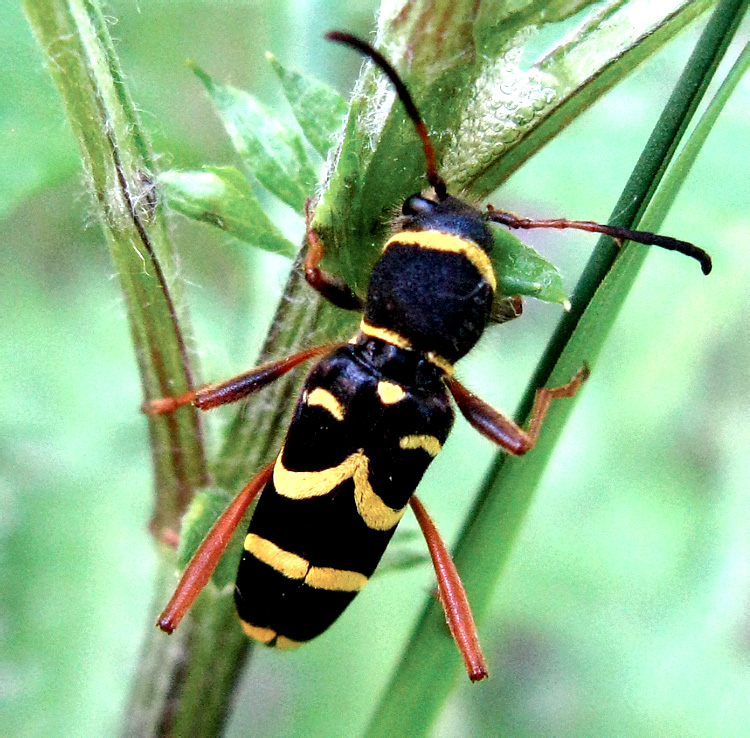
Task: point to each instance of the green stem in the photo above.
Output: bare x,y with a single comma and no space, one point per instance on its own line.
118,162
120,168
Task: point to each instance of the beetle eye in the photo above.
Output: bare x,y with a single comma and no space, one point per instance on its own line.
418,205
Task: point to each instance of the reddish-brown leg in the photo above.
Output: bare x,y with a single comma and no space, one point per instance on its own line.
620,234
503,431
236,388
452,596
331,286
205,559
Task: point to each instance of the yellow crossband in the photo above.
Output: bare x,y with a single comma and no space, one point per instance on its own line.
337,580
264,635
390,392
435,241
267,635
287,644
284,562
305,484
295,567
323,398
376,514
301,485
440,362
395,339
427,443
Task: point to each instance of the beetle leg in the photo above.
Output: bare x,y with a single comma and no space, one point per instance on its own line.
502,430
452,596
330,286
236,388
204,561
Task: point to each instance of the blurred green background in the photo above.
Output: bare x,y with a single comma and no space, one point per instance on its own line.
626,608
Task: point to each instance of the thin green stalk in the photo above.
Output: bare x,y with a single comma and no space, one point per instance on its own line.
430,664
669,189
120,169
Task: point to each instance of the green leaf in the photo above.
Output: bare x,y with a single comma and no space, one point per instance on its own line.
505,123
273,152
205,508
510,89
318,108
424,676
222,197
522,271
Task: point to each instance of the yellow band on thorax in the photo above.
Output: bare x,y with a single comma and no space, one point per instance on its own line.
396,339
436,241
385,334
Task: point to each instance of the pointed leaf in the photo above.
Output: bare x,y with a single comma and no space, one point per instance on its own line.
522,271
273,152
318,108
222,197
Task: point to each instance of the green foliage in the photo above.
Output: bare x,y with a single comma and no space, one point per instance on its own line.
621,609
272,151
522,271
318,108
203,512
222,197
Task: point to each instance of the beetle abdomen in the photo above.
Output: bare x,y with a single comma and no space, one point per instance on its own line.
357,447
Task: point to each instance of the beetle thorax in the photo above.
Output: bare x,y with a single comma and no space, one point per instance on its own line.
434,283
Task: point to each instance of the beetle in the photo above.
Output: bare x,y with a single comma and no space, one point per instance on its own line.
372,415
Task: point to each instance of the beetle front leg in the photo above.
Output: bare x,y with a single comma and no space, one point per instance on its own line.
330,286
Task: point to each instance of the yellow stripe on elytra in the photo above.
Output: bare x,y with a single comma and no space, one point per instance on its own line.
390,392
267,636
323,398
284,562
427,443
286,644
335,580
295,567
264,635
303,485
436,241
376,514
384,334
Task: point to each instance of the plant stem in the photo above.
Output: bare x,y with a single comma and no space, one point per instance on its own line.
120,169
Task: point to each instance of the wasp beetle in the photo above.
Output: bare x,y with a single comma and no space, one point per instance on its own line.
373,413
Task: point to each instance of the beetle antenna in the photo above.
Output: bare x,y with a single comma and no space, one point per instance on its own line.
411,109
618,233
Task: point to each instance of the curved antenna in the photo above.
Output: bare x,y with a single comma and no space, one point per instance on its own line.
411,109
617,232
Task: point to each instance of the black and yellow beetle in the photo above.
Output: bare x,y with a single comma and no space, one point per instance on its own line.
373,413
